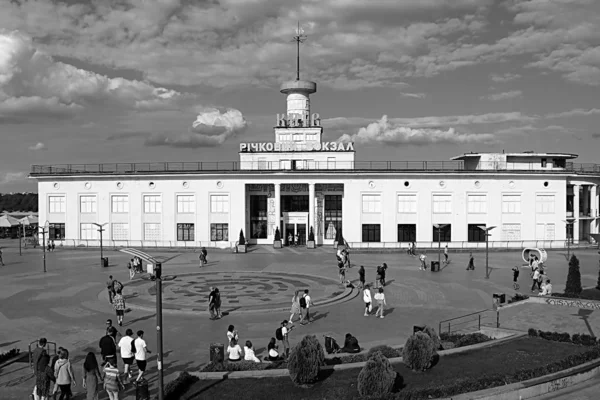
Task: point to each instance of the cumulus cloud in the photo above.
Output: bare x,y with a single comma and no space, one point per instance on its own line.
38,146
504,77
10,177
577,112
504,95
33,85
212,127
385,132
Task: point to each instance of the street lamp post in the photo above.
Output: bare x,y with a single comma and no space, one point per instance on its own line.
487,236
101,229
439,227
569,223
43,230
21,238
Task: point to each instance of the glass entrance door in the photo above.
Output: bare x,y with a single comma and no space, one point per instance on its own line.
301,231
291,230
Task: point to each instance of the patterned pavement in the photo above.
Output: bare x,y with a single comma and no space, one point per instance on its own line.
67,306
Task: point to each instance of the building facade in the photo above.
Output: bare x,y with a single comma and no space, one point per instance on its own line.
299,182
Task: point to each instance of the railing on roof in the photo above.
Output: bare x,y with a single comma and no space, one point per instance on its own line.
236,166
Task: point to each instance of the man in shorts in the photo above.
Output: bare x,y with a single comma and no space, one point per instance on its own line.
126,353
140,353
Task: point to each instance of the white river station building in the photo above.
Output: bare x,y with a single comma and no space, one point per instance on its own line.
299,182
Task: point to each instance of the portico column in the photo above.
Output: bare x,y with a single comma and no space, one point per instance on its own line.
278,209
311,209
576,213
594,207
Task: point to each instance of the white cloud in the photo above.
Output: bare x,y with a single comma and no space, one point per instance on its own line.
38,146
414,95
211,128
577,112
504,77
386,132
504,95
10,177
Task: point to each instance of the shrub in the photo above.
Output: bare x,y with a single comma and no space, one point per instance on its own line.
574,277
576,338
377,377
386,351
588,340
175,389
435,338
460,340
277,234
418,352
242,239
9,354
242,366
311,235
305,360
598,283
532,332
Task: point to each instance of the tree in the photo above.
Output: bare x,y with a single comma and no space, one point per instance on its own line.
377,377
19,202
277,234
573,287
418,352
311,235
242,239
305,360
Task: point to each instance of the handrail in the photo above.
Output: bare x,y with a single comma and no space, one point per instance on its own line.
460,317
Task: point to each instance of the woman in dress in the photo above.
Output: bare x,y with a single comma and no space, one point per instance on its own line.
112,381
43,378
91,376
295,307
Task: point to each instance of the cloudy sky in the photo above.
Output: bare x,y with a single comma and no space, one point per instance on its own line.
96,81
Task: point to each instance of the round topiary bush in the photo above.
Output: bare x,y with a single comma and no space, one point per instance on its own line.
305,360
431,332
418,352
377,377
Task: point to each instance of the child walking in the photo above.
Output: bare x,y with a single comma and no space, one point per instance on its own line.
380,298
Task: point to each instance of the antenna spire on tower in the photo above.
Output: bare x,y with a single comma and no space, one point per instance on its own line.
300,37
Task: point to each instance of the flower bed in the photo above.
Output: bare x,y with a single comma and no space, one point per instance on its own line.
243,366
509,362
454,340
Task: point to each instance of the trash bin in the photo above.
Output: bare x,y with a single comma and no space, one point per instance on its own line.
217,352
150,269
417,328
141,390
435,266
105,262
500,296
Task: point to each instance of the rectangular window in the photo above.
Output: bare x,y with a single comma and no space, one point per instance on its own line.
88,232
185,232
219,232
296,203
56,231
56,204
330,162
186,204
545,231
371,233
445,234
119,204
262,163
544,162
407,203
87,204
511,204
152,204
407,233
511,232
475,234
258,217
544,204
559,162
219,203
120,231
152,232
442,204
333,215
371,203
477,204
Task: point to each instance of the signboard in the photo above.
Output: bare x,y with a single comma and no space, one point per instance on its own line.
292,147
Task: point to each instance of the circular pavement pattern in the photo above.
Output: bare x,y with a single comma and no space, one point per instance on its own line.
240,291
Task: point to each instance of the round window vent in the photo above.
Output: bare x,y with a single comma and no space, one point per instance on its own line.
88,185
371,184
220,185
546,184
406,184
56,185
119,185
477,184
151,185
511,184
186,185
442,184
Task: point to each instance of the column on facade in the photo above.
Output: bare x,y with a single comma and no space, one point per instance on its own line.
311,209
576,213
594,208
278,208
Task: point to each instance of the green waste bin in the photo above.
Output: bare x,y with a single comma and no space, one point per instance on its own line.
105,262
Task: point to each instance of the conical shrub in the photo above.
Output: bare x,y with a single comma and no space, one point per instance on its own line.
573,286
377,377
435,338
306,360
418,352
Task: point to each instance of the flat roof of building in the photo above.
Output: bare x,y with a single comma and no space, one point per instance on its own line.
522,154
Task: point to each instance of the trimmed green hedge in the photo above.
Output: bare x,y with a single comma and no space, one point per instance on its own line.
517,297
9,354
177,387
579,339
243,366
387,351
462,340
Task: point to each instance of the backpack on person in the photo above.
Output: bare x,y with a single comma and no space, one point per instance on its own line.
302,302
279,334
133,350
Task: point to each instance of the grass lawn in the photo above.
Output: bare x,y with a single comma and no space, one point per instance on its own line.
519,354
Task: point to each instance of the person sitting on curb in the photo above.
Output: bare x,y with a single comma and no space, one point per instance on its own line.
350,344
546,288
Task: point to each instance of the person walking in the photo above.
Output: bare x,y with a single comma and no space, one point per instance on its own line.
140,349
91,376
63,371
383,271
295,310
368,300
471,265
305,303
361,277
446,254
536,280
110,287
423,265
232,333
108,346
44,376
119,305
112,382
282,334
218,303
126,352
380,299
211,303
378,277
131,269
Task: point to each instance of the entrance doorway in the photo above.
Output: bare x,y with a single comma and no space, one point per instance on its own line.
291,230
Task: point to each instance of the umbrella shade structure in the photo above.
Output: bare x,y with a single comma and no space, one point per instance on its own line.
29,220
6,221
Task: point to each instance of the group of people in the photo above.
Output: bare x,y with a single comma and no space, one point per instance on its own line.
55,377
235,352
539,277
135,267
214,303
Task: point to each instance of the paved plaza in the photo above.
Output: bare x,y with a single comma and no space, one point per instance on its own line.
69,304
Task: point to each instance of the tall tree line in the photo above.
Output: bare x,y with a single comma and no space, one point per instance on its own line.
19,202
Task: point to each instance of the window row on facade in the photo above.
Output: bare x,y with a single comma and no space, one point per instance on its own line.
152,204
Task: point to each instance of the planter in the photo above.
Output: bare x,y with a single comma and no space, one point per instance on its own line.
242,248
311,244
335,245
277,244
